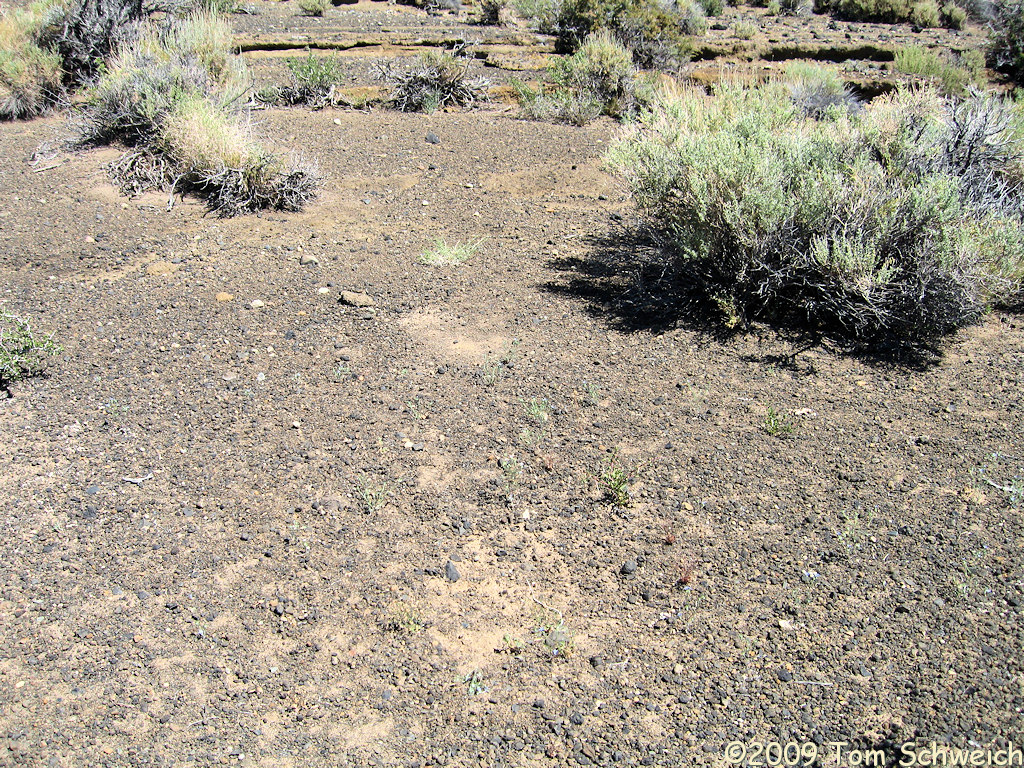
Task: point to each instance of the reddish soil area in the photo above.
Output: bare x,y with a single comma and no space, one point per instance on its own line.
248,523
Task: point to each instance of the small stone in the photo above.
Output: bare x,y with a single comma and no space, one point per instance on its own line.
296,425
451,572
433,138
323,291
356,299
224,296
256,304
784,675
628,567
309,260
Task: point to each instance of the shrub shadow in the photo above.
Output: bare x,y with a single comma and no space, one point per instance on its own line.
629,278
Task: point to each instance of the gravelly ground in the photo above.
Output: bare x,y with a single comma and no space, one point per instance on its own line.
280,591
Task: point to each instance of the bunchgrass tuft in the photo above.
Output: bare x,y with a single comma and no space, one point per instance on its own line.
445,255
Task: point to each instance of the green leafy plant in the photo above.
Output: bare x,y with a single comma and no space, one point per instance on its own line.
405,618
552,632
511,474
1012,487
777,425
474,682
22,353
444,255
614,479
340,372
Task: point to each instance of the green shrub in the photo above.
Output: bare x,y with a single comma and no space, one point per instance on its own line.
953,76
22,353
659,36
897,222
774,8
312,81
713,7
923,13
744,29
313,7
543,14
793,7
489,12
436,80
31,78
1006,42
599,79
953,16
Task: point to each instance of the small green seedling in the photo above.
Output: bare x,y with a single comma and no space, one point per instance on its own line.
373,495
777,425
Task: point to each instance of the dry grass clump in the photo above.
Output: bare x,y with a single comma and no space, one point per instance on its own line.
174,96
899,222
436,80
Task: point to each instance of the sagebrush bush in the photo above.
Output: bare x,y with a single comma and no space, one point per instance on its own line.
898,222
314,7
1006,42
85,33
923,13
489,12
656,31
22,352
31,76
313,80
174,96
599,79
795,7
437,79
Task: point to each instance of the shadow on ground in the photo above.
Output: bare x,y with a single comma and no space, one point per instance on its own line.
629,278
